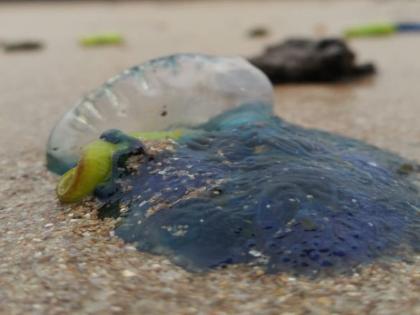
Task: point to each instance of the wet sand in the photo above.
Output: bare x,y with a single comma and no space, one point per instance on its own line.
57,261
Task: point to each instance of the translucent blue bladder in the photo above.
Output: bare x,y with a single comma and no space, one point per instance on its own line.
176,91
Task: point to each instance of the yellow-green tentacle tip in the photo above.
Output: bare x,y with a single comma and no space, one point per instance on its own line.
93,168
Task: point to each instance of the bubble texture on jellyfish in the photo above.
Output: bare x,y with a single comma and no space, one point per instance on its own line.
249,187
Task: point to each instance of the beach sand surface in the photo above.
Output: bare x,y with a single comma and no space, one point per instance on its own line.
57,260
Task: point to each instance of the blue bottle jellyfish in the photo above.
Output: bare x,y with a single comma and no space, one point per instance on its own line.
241,185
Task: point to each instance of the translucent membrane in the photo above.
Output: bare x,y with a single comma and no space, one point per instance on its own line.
176,91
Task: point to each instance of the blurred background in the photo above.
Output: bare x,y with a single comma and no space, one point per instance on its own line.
38,84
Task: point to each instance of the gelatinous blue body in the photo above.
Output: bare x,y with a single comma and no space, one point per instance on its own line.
247,187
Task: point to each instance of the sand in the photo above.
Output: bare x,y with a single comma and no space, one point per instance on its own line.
56,260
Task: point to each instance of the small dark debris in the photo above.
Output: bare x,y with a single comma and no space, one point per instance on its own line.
307,60
258,32
16,46
164,113
408,168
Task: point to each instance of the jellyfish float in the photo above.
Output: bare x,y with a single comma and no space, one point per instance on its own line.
192,159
